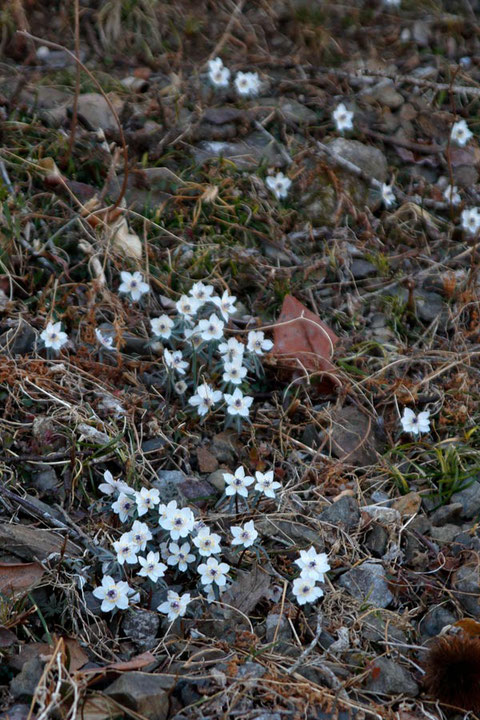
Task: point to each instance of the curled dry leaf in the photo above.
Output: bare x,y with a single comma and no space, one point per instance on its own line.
19,577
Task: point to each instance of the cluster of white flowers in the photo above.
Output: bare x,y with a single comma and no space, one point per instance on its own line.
238,483
246,83
313,567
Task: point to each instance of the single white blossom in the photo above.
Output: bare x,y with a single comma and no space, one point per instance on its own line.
342,118
226,304
256,342
238,483
165,510
162,326
113,594
179,555
140,534
205,398
202,293
305,590
245,535
53,337
146,500
175,605
313,564
207,543
126,549
415,424
151,566
123,507
179,523
388,196
211,329
213,572
234,373
471,220
133,285
110,486
174,361
279,184
180,387
187,306
247,83
218,74
460,133
238,403
266,484
232,350
451,195
105,341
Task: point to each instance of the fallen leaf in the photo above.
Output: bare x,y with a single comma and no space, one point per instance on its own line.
247,590
76,654
18,577
302,342
136,663
101,707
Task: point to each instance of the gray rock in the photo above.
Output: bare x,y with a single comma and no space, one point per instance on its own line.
18,340
445,533
141,627
467,588
93,108
147,694
389,678
247,154
292,110
217,480
429,306
46,480
226,447
377,540
436,619
362,269
446,513
274,620
345,512
367,157
352,437
19,711
469,498
251,670
375,628
168,484
153,444
383,92
24,684
367,583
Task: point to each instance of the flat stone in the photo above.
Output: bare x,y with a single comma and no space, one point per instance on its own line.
383,92
251,670
352,437
291,109
367,157
207,462
19,339
390,678
23,685
141,627
19,711
467,588
226,447
272,622
247,154
435,620
445,533
93,108
168,484
377,540
367,582
217,479
345,512
469,498
45,480
146,694
375,629
408,504
362,269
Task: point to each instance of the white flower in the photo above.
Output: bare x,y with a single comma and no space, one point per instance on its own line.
415,424
201,292
180,387
123,507
213,572
451,195
238,483
179,555
205,398
313,564
175,606
162,326
187,306
175,361
388,196
460,133
193,337
110,485
126,549
245,535
211,329
218,74
53,337
226,304
179,523
266,484
471,220
279,184
133,285
256,342
247,83
146,500
105,340
151,566
207,543
140,534
342,118
392,3
238,403
305,590
232,350
234,373
114,594
165,510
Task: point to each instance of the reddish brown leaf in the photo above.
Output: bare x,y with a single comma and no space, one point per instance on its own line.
18,577
136,663
303,342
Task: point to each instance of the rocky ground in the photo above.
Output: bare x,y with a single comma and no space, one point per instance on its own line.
132,160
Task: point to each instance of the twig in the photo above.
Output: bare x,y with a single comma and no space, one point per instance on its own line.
309,648
226,32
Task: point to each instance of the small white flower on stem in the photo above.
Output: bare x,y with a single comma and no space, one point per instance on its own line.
451,195
202,293
342,118
211,329
146,500
232,350
110,486
415,424
279,184
133,285
266,484
213,572
179,523
140,534
218,74
53,336
312,563
174,361
238,483
151,566
126,549
471,220
247,83
123,507
162,326
460,133
245,535
234,373
305,590
165,510
238,403
175,606
180,387
179,555
226,304
105,341
256,342
388,196
205,398
113,594
207,543
187,306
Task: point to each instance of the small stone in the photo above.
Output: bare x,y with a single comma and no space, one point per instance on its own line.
469,498
429,306
226,447
367,157
362,269
19,711
389,677
444,534
94,109
383,92
367,582
247,154
141,627
146,694
467,588
46,480
377,540
153,444
291,109
274,621
446,513
168,484
23,685
217,479
207,462
435,620
251,670
408,504
344,511
352,437
19,340
376,629
382,513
